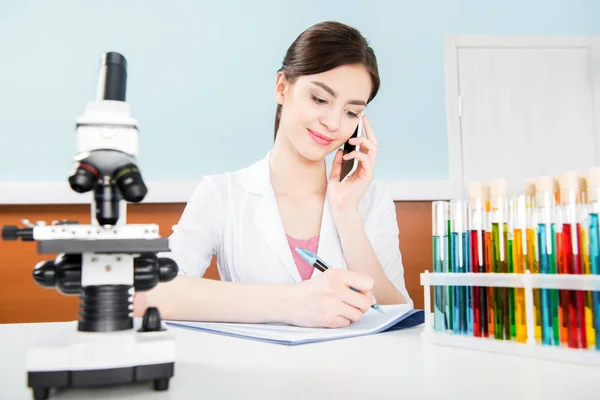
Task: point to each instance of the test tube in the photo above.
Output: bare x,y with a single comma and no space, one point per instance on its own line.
545,198
532,259
468,268
519,248
561,268
510,236
440,261
593,196
476,233
487,250
572,234
458,234
499,257
584,247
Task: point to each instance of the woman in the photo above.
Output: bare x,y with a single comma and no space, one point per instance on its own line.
254,218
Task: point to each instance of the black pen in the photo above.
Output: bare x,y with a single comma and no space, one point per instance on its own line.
319,264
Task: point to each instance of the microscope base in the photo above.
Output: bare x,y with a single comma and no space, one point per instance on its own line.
94,359
41,382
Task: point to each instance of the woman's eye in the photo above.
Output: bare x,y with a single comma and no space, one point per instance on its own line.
318,100
351,114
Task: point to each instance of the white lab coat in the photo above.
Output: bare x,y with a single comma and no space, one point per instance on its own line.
235,216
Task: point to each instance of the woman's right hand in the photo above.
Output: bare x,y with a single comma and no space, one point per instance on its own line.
328,302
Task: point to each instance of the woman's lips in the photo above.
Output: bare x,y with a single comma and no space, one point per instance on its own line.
319,139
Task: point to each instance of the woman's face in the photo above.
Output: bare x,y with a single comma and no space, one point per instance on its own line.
320,112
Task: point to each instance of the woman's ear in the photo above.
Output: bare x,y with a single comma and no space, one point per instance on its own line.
280,87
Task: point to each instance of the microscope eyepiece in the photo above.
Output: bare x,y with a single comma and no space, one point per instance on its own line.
112,82
129,180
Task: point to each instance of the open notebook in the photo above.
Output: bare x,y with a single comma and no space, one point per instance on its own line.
395,317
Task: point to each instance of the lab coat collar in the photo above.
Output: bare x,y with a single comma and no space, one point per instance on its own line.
256,179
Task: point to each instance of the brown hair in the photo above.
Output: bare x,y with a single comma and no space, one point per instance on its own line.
325,46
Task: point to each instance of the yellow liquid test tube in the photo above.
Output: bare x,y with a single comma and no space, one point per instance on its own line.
518,221
532,256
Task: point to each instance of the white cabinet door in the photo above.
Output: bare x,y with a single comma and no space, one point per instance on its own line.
527,107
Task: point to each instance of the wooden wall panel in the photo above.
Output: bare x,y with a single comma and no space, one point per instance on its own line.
21,300
414,222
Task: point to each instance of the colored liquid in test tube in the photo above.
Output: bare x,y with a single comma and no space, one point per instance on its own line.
440,262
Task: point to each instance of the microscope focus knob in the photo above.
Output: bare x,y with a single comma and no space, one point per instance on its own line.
12,232
44,274
64,273
149,271
151,321
9,233
167,269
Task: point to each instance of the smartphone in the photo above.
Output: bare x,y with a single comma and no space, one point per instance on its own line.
349,166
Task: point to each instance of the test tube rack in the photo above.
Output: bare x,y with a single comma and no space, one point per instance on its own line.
528,281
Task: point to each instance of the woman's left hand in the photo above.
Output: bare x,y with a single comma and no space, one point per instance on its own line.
346,195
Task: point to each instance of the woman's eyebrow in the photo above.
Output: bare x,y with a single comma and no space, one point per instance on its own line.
334,94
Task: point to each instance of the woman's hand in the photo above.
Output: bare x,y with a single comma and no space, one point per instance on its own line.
346,195
328,302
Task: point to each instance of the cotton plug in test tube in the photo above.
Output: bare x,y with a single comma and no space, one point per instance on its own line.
593,195
440,262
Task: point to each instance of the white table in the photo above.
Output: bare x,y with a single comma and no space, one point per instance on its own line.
394,365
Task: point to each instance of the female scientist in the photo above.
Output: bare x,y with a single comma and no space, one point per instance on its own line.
253,219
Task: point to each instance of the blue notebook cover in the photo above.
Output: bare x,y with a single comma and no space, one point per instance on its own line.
395,318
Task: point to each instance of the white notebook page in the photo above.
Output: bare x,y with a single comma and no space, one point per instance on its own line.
373,321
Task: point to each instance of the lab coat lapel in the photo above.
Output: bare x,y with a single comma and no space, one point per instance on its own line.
268,222
330,249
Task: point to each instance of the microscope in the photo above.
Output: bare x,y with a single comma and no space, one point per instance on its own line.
104,262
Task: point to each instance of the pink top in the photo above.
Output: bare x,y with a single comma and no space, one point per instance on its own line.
312,244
